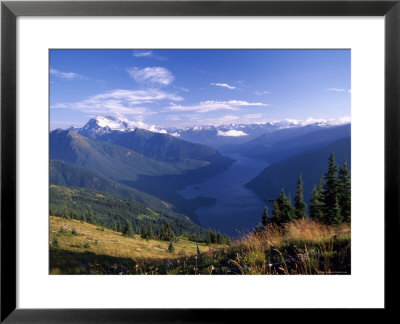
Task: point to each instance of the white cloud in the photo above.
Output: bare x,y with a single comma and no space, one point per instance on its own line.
148,54
65,75
311,120
212,105
232,133
336,89
142,53
262,93
153,75
223,85
120,102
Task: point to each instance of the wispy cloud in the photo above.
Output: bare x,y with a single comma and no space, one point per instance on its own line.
252,116
142,53
262,93
65,75
153,75
311,120
149,54
120,102
212,105
223,85
336,89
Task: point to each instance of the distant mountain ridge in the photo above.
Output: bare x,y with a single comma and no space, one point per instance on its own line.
212,135
108,209
113,161
65,174
160,178
312,164
293,142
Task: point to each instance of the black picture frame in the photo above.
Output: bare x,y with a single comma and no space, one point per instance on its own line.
10,10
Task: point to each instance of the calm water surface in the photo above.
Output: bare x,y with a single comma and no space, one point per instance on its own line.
237,209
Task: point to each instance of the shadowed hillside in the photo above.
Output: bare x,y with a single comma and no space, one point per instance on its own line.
312,165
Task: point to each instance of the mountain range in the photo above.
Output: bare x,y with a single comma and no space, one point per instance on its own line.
290,142
212,135
311,164
157,164
149,165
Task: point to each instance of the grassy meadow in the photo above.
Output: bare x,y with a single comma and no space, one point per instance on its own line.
299,247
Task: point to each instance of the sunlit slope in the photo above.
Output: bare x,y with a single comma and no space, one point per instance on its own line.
95,248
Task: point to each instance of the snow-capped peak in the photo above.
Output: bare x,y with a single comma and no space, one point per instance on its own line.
105,124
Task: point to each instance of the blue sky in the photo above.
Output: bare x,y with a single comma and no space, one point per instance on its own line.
197,87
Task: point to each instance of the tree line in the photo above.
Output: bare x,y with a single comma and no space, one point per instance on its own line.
162,232
330,202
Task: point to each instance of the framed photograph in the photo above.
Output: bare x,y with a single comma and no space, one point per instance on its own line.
163,158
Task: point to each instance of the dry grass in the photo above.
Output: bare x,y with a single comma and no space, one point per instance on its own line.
300,247
112,243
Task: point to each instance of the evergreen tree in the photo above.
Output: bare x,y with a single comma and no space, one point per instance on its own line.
166,233
283,211
114,227
83,218
345,192
89,216
219,238
265,218
317,204
213,236
208,240
331,192
150,232
127,230
143,233
300,206
285,207
171,247
119,226
276,213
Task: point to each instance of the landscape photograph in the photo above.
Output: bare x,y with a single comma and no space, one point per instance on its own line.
199,162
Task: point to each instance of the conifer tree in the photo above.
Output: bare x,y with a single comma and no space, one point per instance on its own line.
208,241
166,233
265,218
300,206
338,218
331,192
89,217
171,247
283,211
286,208
119,226
345,192
127,230
317,204
114,227
276,213
143,233
149,232
218,238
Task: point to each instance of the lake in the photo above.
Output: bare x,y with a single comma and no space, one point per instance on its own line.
237,209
